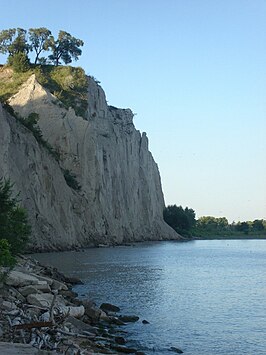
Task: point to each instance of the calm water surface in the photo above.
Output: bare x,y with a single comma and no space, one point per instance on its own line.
204,297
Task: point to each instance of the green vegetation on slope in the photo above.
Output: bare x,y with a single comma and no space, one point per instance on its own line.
67,83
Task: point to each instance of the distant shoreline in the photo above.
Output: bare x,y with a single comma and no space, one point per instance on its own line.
231,237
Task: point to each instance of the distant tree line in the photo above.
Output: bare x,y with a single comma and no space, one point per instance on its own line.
183,221
17,43
209,224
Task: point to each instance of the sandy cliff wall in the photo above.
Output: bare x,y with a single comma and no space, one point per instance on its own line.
121,197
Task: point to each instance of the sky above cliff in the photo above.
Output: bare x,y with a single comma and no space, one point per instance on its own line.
194,72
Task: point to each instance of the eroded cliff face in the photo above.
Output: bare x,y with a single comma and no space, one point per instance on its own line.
121,197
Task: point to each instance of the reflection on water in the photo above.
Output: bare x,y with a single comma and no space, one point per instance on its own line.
205,297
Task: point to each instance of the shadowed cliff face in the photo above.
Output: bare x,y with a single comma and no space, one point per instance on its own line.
120,198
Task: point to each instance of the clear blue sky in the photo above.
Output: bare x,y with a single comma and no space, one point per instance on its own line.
194,71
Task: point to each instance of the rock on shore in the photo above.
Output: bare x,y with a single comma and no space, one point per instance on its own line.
40,312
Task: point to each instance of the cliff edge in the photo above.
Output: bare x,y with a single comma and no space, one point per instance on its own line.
120,197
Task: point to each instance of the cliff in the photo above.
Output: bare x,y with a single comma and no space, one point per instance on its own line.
120,199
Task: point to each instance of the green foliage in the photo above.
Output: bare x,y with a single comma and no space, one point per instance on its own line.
181,220
6,40
19,44
14,225
242,227
212,223
41,40
6,258
71,180
65,48
258,225
208,227
212,227
68,84
20,62
11,82
13,41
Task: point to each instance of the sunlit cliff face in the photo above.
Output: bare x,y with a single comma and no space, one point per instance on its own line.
120,197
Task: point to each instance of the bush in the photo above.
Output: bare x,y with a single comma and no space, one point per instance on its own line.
14,225
6,258
20,62
68,84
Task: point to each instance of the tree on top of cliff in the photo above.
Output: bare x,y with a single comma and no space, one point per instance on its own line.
65,48
13,41
41,40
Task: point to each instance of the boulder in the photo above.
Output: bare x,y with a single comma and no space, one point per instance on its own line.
115,320
47,280
72,311
69,294
8,306
15,293
123,349
108,307
18,278
176,350
93,312
120,340
41,299
145,321
129,319
28,290
43,287
73,280
57,285
17,349
81,326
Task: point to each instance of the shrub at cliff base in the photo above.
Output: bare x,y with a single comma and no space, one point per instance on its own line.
6,258
14,227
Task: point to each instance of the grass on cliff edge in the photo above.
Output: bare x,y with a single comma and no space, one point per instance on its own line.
67,83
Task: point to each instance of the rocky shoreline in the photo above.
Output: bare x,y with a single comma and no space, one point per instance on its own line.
40,314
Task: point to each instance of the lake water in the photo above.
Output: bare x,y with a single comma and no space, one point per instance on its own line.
204,297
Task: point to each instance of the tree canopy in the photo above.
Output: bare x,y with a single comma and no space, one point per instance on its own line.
64,49
13,41
181,220
40,39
